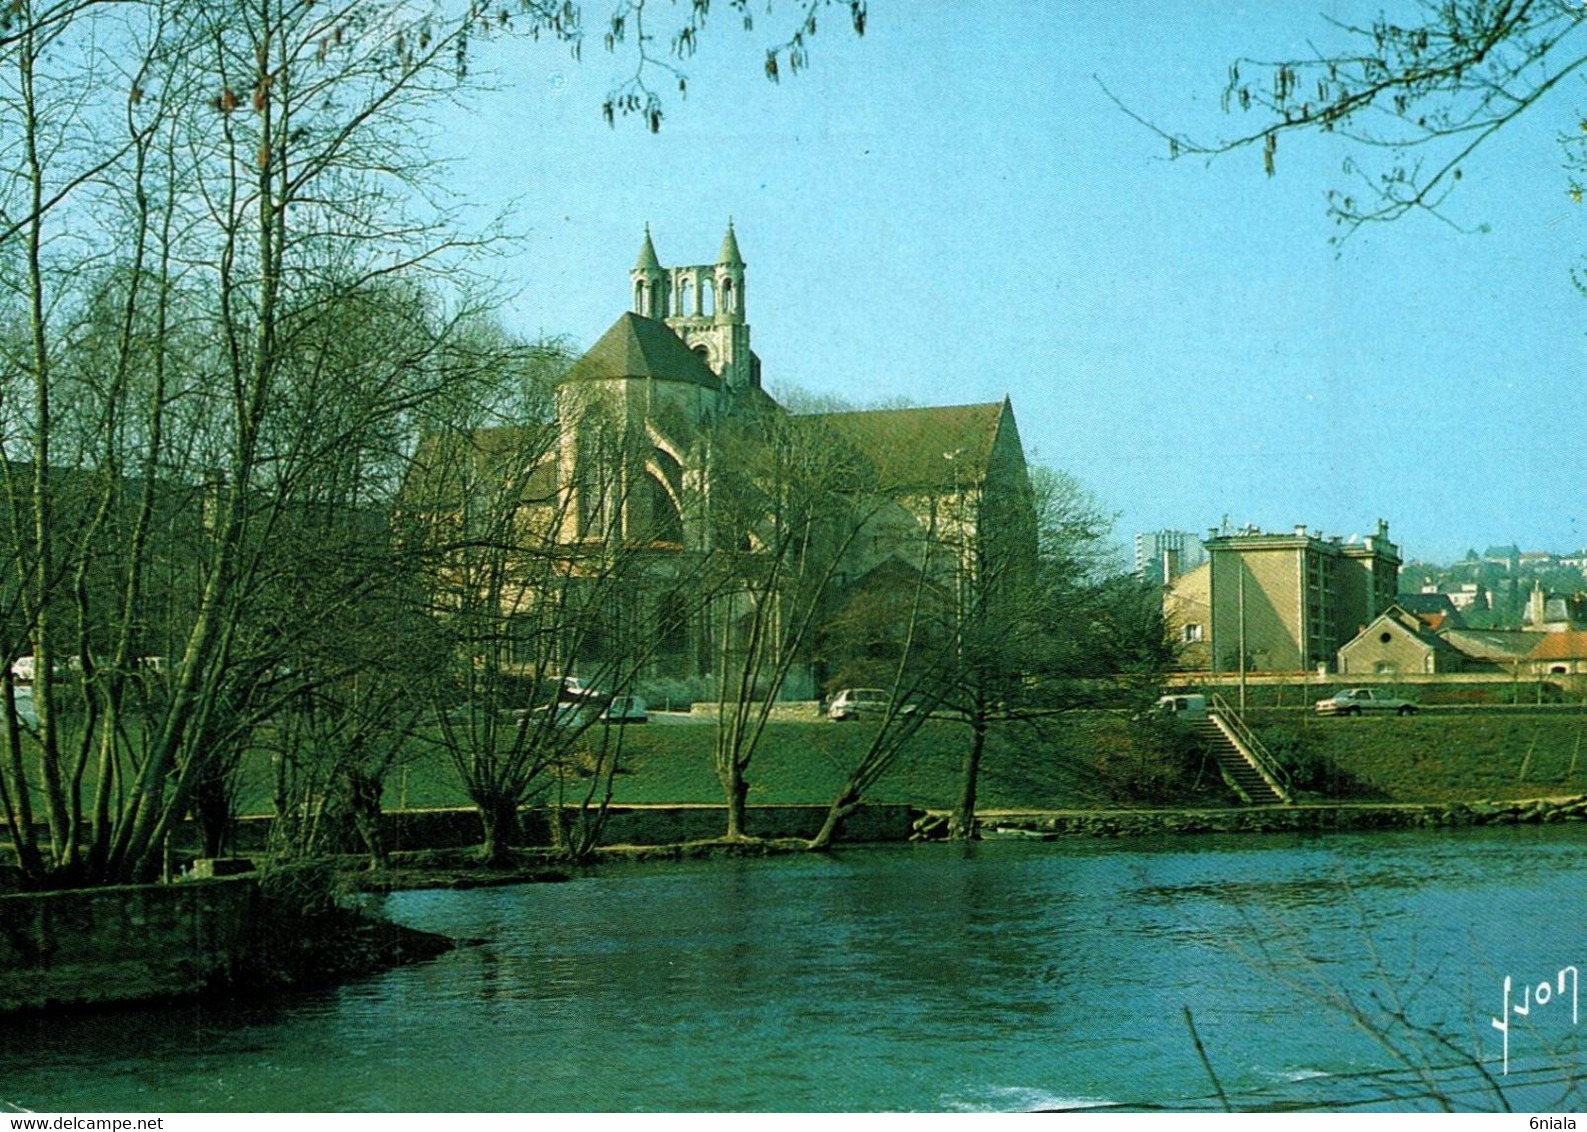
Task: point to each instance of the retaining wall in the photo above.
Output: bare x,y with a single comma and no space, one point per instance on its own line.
459,827
1285,819
124,943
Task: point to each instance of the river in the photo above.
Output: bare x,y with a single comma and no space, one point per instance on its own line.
1007,975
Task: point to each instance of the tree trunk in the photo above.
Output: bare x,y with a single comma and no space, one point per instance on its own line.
499,816
212,812
961,826
363,798
736,790
842,806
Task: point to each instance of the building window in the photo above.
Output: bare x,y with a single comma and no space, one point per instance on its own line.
1191,633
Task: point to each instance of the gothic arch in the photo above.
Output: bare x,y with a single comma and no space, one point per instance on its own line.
666,520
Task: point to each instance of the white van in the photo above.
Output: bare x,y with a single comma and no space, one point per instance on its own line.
1182,705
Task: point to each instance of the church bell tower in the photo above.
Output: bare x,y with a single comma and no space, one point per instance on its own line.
704,305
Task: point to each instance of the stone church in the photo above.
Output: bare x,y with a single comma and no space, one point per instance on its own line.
677,364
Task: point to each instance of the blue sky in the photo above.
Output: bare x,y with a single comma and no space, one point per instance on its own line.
951,209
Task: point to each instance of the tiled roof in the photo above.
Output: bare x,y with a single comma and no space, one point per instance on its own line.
636,346
936,448
1571,645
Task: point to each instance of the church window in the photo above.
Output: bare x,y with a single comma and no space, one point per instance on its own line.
639,299
727,296
707,297
684,294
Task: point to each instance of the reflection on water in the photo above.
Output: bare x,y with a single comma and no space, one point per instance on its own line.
1010,975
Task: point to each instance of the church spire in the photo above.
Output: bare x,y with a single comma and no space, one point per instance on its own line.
649,278
647,253
729,256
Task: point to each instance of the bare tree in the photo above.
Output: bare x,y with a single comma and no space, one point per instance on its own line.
203,200
1037,624
217,408
788,497
1418,92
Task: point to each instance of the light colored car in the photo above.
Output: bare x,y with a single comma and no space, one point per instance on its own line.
27,714
1183,705
851,703
1363,701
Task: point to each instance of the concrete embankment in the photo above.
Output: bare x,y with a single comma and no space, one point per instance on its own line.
123,944
1285,819
95,947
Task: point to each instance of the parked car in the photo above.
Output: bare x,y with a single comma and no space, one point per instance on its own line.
25,669
1183,706
27,714
851,703
1360,701
568,713
574,690
626,709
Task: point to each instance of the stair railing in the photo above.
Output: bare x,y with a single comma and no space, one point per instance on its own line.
1250,746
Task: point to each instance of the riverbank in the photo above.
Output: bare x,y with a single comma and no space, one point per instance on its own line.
1016,975
458,868
245,935
1303,818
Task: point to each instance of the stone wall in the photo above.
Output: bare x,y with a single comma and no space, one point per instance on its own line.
122,944
1285,819
667,825
459,828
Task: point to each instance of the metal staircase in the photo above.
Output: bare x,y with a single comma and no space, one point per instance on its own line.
1245,763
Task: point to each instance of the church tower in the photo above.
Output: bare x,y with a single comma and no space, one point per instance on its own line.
704,305
650,282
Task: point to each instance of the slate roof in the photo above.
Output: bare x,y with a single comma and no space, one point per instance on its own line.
1435,611
636,346
1425,603
729,255
935,448
495,453
1409,622
647,255
1493,644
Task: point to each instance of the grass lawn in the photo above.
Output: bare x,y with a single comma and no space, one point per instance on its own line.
1434,758
1078,763
1089,759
